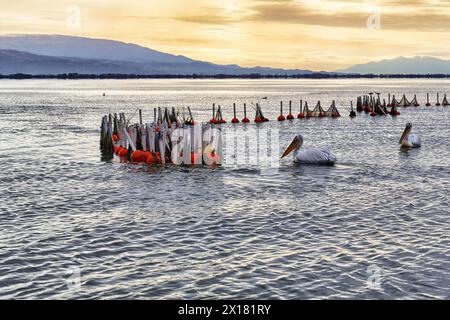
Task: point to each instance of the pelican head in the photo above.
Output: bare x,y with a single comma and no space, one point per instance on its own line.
406,132
295,145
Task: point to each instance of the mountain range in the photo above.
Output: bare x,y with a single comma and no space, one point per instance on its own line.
57,54
402,65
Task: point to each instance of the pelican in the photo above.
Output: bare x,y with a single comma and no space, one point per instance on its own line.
312,156
409,140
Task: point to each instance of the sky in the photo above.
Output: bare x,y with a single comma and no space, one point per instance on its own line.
305,34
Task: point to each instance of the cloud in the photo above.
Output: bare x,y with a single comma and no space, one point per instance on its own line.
402,15
395,14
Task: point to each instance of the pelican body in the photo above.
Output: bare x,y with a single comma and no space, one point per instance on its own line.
409,140
311,156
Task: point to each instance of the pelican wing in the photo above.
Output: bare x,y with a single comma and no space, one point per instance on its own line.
414,140
316,156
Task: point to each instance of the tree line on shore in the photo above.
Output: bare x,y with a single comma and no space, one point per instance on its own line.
318,75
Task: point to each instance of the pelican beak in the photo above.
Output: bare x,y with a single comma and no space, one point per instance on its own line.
291,147
405,134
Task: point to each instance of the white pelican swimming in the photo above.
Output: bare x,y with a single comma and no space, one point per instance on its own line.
312,156
409,140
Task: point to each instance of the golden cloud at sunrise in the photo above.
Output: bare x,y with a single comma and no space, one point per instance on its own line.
313,34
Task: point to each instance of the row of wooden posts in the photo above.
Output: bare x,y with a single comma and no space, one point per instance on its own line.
304,112
377,106
118,135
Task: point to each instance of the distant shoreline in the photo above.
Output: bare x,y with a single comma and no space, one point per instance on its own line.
76,76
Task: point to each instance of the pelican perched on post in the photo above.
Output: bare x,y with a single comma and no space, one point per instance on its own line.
311,156
408,140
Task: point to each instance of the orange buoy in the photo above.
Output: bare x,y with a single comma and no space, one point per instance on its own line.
122,152
139,156
153,158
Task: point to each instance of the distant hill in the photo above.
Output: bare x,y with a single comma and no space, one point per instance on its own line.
402,65
86,48
12,61
40,54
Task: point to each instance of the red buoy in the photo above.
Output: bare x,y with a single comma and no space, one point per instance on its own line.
281,117
373,114
219,116
235,119
245,120
153,158
195,158
139,156
214,120
301,115
290,116
122,152
259,116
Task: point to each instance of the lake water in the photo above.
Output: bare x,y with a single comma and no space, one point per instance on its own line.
375,225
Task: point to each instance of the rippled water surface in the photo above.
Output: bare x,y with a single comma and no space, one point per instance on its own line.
379,216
